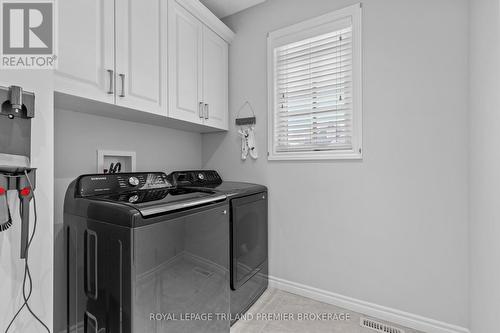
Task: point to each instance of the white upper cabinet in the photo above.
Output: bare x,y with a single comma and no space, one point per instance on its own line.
86,49
215,80
185,64
198,70
140,49
155,61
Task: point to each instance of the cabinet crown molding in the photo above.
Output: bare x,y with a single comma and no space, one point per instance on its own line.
202,13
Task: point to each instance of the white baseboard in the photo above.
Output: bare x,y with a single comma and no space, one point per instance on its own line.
373,310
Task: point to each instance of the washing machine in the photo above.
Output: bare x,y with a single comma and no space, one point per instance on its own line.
248,207
143,255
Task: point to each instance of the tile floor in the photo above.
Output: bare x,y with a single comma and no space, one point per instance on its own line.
275,301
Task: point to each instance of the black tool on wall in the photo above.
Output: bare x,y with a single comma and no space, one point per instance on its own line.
17,110
15,136
16,174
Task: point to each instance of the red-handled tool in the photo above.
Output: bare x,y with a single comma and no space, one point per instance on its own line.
5,218
21,179
25,195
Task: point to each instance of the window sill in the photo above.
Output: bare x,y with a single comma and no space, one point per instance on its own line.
311,156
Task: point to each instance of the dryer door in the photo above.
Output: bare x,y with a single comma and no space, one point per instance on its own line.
249,237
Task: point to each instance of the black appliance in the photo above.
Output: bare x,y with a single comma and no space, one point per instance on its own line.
145,256
249,234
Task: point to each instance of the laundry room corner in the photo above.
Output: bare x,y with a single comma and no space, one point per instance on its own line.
79,137
40,83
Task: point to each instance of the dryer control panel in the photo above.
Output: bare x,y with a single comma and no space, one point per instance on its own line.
204,178
89,185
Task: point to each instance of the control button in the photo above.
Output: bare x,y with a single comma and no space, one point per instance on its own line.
133,181
201,176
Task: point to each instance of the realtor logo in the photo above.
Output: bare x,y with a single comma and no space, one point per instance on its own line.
28,35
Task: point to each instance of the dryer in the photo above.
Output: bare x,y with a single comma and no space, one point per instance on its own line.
249,265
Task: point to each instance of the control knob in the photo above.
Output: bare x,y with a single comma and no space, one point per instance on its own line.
133,181
133,199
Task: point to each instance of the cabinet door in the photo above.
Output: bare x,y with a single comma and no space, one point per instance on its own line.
185,63
140,48
215,79
86,49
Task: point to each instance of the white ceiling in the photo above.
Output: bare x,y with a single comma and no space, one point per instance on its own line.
223,8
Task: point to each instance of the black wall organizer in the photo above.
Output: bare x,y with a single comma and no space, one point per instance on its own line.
18,107
17,110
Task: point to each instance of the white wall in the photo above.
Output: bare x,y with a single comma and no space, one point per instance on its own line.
391,229
41,251
485,165
77,138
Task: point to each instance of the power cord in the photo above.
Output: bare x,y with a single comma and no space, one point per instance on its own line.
27,273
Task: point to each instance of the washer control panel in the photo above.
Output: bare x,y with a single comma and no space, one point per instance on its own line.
98,184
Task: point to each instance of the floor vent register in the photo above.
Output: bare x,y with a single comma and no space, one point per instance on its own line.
379,327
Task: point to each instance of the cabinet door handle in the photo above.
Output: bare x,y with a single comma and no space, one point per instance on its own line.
206,112
200,110
111,90
122,76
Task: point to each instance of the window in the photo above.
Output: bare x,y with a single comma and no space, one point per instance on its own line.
315,85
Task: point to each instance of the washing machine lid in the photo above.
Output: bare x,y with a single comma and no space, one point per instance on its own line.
157,202
150,193
210,179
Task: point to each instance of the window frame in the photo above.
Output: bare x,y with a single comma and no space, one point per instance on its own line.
307,29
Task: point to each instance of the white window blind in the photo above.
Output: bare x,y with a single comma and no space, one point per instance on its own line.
314,88
315,82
